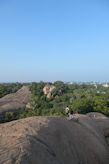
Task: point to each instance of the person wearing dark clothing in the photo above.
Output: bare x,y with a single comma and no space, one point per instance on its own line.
71,112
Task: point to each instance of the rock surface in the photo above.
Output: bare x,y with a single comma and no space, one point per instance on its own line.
48,89
15,101
55,140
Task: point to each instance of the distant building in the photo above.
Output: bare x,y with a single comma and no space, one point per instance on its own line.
105,85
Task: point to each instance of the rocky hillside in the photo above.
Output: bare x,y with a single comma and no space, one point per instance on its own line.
15,101
55,140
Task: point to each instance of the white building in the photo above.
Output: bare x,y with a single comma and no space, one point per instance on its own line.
105,85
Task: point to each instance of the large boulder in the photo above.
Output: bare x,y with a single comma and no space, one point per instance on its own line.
55,140
48,89
96,115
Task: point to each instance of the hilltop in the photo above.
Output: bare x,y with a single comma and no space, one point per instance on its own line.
15,101
55,140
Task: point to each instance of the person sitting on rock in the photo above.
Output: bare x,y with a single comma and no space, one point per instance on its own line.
71,114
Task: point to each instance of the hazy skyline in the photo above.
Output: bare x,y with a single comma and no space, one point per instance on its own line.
48,40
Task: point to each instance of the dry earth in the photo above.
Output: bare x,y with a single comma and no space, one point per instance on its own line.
55,140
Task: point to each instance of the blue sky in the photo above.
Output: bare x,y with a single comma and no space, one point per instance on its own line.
53,40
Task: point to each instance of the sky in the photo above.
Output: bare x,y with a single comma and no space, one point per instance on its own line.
49,40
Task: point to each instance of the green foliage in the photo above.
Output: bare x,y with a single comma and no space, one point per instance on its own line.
9,115
60,89
81,98
82,106
37,89
9,88
3,91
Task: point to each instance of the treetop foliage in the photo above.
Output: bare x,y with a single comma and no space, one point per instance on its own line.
81,98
